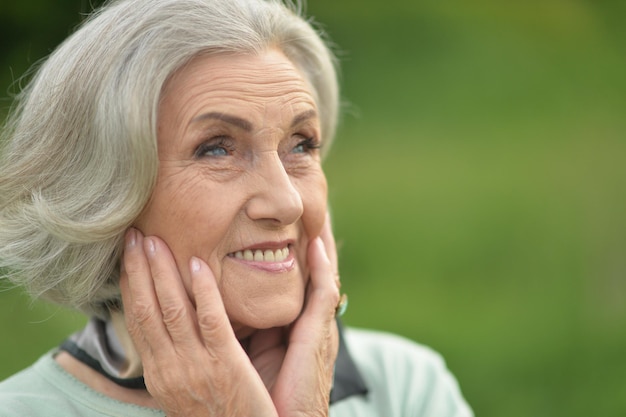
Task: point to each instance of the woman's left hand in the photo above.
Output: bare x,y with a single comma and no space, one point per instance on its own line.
296,363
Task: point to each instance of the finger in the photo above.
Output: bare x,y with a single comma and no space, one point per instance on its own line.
131,324
141,310
322,280
214,326
317,324
329,242
176,308
322,294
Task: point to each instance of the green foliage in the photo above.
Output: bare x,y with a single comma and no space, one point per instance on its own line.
30,30
478,191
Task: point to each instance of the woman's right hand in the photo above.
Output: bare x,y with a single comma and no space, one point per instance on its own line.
193,363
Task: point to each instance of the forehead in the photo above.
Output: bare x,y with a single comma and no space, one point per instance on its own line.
226,82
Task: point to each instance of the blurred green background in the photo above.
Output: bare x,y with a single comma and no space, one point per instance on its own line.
478,187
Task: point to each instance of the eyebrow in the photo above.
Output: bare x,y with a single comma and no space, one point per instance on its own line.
233,120
304,116
246,125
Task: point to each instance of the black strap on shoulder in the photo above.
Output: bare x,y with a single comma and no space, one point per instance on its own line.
78,353
348,381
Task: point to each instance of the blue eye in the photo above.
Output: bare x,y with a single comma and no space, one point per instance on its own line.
213,149
306,146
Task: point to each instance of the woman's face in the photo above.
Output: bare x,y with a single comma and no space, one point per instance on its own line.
240,182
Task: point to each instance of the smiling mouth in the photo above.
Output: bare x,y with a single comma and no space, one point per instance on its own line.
258,255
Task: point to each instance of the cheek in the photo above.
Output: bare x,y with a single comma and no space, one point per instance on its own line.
173,203
189,215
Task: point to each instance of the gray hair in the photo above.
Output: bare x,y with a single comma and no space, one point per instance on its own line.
79,158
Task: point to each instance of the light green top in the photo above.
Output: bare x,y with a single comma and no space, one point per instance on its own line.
403,378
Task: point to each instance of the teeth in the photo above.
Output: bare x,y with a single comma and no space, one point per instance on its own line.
267,255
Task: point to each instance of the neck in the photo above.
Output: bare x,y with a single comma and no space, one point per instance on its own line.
131,367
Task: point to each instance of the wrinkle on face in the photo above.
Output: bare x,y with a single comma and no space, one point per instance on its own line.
201,205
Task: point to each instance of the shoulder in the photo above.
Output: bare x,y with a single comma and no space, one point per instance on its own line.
29,392
384,354
45,389
404,377
388,346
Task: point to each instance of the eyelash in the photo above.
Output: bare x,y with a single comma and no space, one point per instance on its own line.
309,144
204,148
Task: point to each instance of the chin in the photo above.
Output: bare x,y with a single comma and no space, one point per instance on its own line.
273,313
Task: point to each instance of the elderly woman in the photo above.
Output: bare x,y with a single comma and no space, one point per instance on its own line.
162,173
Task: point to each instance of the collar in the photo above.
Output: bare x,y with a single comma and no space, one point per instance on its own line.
98,346
347,379
106,347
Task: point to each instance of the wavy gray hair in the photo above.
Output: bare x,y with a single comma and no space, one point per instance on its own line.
79,158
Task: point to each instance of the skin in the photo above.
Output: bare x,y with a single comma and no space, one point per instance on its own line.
256,186
239,169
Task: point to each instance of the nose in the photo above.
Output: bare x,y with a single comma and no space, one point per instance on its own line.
273,195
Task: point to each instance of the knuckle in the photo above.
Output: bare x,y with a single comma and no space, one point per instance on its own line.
143,312
329,297
210,324
332,294
174,315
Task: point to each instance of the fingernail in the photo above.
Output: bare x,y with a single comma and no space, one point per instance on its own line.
131,238
149,245
195,264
